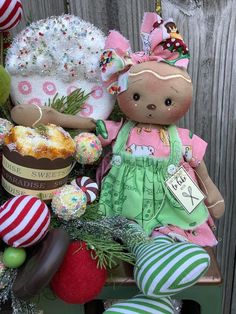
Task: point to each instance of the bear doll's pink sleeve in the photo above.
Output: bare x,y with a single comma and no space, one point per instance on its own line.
194,147
113,129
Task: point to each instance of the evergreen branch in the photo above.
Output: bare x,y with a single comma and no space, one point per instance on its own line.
99,234
107,253
71,104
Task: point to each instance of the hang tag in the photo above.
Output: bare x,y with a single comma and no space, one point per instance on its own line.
185,190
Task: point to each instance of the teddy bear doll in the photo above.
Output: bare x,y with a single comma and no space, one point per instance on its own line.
154,92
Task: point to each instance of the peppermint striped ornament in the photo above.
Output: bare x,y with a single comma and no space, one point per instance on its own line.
24,220
141,304
164,267
10,14
88,186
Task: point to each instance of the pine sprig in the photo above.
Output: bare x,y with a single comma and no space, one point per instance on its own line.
92,213
42,130
99,234
107,253
71,104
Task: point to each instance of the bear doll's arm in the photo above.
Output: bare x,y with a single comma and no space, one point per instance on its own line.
214,200
33,115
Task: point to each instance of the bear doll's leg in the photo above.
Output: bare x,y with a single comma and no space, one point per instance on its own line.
163,267
141,304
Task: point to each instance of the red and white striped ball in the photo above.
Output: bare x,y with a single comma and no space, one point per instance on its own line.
88,186
24,220
10,14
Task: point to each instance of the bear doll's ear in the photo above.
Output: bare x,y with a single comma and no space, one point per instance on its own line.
118,42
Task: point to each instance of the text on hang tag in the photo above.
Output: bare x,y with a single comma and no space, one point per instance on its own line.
185,190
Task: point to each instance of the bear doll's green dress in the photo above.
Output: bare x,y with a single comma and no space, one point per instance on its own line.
135,187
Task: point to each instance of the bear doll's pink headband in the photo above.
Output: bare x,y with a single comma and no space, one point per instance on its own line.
161,42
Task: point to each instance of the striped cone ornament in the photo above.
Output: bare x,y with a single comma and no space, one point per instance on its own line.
24,220
10,14
164,268
88,186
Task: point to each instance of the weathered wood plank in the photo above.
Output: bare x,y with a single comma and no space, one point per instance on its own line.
122,15
37,10
209,29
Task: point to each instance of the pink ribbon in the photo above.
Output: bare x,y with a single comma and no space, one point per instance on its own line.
161,42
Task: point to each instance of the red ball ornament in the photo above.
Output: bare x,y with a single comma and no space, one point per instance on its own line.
78,280
24,220
10,14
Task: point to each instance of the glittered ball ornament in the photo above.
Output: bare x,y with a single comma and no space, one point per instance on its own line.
24,221
88,186
79,279
88,148
5,127
10,14
69,202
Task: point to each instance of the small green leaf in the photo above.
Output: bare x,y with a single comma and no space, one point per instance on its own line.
101,129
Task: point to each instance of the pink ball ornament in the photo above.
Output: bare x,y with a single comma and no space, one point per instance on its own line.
24,221
10,14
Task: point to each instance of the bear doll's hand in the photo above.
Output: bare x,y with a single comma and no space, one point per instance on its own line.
214,200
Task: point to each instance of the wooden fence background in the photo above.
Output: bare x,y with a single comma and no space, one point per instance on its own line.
209,30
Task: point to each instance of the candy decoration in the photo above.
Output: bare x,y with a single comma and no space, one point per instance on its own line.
88,186
69,202
78,280
88,148
5,127
14,257
42,265
10,14
24,220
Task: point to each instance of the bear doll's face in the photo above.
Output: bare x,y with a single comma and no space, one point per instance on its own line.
157,93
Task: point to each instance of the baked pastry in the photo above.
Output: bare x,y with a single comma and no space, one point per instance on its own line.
48,141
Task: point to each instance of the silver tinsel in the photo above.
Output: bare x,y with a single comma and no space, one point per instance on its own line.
116,227
6,294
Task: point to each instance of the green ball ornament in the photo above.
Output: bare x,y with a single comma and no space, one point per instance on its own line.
14,257
5,83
